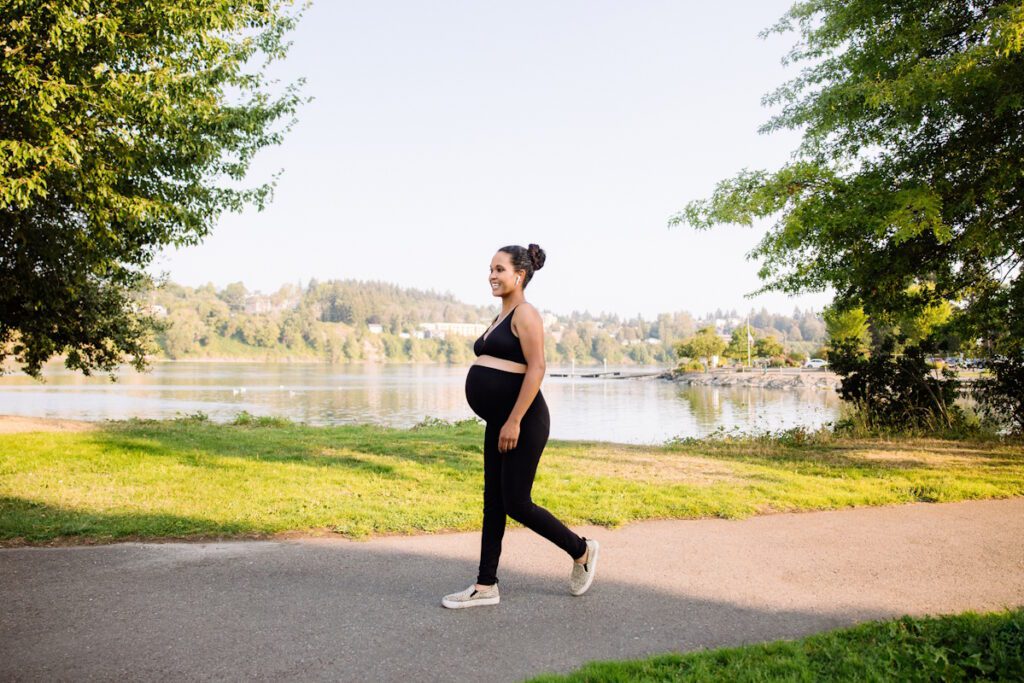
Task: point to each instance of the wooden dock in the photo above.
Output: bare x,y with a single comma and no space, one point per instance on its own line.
611,374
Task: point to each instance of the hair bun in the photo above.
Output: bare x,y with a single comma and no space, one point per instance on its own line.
537,256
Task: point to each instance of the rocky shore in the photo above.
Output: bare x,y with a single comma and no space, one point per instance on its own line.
787,379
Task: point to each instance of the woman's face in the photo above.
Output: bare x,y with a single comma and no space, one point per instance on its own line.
503,277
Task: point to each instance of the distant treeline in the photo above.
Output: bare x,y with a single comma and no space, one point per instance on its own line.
350,320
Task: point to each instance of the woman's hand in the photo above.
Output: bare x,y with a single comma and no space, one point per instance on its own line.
509,436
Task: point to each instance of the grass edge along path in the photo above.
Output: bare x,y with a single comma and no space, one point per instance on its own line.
966,646
192,479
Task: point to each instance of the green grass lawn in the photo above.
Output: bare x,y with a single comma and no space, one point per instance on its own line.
192,478
955,648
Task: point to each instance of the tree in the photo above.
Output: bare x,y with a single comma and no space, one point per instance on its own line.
812,329
895,390
352,348
738,346
640,353
702,346
572,347
586,335
264,332
909,167
124,127
234,295
767,347
182,330
606,348
291,331
850,325
394,347
917,326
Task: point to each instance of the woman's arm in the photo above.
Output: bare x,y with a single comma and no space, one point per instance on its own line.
530,328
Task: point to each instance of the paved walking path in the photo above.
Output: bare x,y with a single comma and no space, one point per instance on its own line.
339,610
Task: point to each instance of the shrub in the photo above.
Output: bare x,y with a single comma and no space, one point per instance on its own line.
246,419
198,416
896,391
429,422
1000,396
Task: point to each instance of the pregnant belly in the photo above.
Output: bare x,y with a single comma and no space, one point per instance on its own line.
491,393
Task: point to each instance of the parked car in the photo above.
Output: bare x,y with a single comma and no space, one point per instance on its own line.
816,363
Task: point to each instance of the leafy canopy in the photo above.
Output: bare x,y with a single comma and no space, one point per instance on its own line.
124,127
768,347
910,167
849,326
702,346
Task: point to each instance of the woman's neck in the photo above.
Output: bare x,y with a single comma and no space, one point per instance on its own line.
508,304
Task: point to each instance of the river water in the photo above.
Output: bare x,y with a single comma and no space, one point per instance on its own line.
621,410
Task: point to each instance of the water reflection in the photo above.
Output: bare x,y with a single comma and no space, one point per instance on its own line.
630,411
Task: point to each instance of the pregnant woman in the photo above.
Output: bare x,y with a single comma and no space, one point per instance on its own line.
503,388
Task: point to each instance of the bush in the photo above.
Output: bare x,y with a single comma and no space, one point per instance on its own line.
1000,396
196,417
429,422
246,419
896,391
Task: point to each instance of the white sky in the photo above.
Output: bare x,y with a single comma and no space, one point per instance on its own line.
441,131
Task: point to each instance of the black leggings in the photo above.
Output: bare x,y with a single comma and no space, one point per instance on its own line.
508,477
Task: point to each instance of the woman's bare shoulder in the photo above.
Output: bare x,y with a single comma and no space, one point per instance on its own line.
526,309
530,314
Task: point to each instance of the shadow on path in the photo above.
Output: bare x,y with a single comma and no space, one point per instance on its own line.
341,610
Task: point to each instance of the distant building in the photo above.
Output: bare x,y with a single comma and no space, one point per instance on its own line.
442,330
257,304
260,304
375,328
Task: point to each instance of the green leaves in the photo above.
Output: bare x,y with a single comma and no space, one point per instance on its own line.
916,210
909,171
123,128
911,162
702,346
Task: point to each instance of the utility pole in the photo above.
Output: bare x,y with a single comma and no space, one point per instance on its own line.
748,341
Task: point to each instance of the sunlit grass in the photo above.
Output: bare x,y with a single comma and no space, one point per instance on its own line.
952,648
191,478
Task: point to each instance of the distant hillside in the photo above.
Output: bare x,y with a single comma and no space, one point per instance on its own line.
352,321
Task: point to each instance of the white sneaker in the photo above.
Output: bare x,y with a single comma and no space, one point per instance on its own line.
583,574
471,597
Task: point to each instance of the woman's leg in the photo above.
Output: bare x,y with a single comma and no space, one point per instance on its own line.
517,473
494,509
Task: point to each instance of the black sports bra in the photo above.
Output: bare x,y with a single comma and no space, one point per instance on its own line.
501,343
